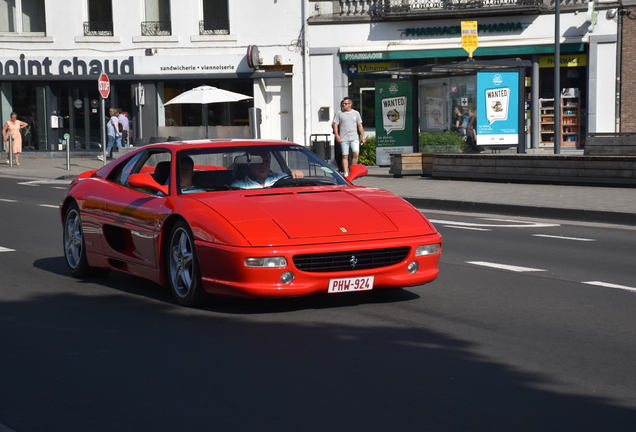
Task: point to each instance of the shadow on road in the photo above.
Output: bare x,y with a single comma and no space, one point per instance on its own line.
101,360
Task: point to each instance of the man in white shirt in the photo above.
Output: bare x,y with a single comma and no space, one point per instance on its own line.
260,175
347,126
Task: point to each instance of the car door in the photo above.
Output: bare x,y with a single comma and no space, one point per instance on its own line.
133,217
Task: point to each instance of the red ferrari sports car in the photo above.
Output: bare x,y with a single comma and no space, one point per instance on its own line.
246,218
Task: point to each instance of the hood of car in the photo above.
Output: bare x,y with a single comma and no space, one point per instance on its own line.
286,216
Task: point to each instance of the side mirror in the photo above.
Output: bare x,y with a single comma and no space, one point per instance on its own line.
357,171
146,181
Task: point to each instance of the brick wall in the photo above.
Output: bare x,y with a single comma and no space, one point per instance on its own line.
628,74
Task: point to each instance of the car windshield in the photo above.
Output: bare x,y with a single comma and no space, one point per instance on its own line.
254,167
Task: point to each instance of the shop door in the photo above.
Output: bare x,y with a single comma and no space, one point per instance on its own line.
86,114
280,109
78,112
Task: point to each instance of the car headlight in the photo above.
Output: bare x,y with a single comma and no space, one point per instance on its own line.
430,249
266,262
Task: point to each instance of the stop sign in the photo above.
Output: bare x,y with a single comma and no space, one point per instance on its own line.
103,85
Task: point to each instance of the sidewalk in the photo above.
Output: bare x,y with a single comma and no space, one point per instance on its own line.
582,203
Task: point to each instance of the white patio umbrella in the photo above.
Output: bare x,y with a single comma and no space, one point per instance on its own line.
204,95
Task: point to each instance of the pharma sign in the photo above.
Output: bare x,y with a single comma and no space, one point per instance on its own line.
569,60
394,119
497,108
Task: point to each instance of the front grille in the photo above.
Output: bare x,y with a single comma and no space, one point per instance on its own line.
350,260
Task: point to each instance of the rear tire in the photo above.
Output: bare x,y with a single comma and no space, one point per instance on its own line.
184,277
75,246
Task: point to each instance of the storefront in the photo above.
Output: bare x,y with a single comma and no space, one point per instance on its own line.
588,59
58,96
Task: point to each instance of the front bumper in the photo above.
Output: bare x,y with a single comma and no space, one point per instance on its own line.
224,273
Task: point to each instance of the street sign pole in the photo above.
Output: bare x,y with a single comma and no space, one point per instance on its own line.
102,111
141,100
103,86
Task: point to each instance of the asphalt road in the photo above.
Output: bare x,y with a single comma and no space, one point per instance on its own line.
530,327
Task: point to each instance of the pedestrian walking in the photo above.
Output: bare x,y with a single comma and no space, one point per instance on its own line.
122,117
114,135
347,127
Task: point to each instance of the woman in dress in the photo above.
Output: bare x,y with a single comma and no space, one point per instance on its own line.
12,128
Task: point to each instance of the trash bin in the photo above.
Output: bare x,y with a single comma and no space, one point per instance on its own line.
321,146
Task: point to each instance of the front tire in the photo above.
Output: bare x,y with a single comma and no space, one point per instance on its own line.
184,277
75,246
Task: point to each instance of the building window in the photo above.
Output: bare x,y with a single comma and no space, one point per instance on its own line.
157,21
22,16
100,18
216,18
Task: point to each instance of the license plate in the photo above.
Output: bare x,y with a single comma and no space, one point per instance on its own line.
350,284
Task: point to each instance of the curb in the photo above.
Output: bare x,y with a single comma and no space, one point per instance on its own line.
526,211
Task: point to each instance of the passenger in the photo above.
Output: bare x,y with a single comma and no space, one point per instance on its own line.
187,172
260,175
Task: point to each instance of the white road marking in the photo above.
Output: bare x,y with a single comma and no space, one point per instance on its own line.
59,187
563,238
3,249
610,285
466,228
45,182
7,200
503,266
49,205
517,224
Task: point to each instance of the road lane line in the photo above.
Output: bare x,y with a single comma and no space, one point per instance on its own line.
7,200
3,249
49,205
563,238
466,228
517,224
504,266
610,285
45,182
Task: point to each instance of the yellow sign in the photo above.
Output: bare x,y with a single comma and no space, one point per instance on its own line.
373,67
571,60
470,40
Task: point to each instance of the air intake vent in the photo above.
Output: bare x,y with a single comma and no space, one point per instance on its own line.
350,260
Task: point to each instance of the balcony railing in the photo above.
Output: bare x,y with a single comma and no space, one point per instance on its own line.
156,28
214,27
388,7
414,9
98,28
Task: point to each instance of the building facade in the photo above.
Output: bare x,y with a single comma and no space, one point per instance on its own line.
52,53
296,60
349,40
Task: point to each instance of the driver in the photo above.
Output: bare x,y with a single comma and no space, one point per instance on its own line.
260,176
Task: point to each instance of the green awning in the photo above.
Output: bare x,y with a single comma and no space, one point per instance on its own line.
460,52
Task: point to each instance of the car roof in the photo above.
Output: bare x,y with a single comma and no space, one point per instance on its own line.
212,143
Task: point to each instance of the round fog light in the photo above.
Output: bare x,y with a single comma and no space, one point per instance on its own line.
413,267
286,278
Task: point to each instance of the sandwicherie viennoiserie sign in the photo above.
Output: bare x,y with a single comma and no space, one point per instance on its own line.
25,65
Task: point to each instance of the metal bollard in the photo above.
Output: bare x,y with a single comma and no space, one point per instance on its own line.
10,151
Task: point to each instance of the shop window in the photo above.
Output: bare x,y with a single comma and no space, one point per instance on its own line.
216,18
157,21
100,18
22,16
